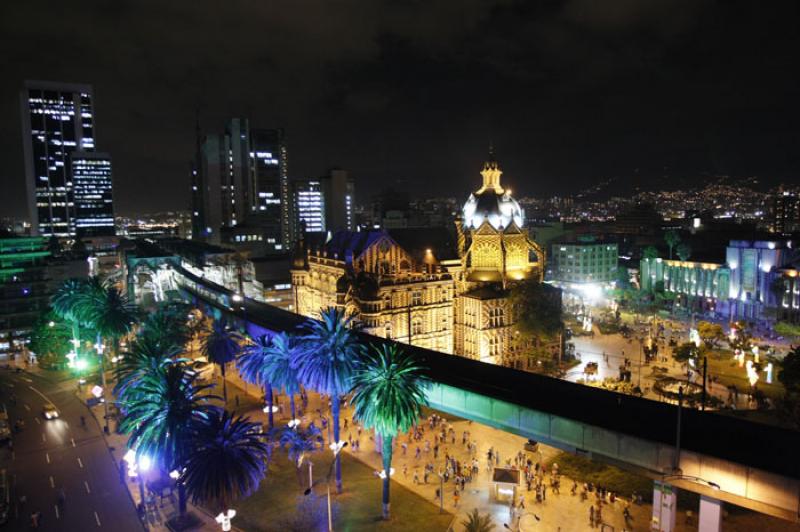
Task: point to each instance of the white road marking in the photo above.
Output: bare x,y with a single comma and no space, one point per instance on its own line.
80,463
27,379
97,518
9,385
52,482
86,485
44,438
43,396
36,419
27,407
47,456
73,441
58,516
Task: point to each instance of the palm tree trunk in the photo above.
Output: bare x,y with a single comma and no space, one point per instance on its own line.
224,385
105,386
291,403
335,421
387,468
268,400
181,499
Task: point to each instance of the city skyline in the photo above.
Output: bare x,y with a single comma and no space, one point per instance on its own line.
568,94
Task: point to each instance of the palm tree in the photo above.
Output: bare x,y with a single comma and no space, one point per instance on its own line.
220,347
145,356
163,415
167,325
672,239
279,367
388,395
67,303
298,441
228,461
478,522
252,363
331,356
106,310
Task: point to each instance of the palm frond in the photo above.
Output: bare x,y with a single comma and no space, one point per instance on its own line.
388,391
228,462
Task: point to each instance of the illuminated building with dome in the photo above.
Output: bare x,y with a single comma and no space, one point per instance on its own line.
430,287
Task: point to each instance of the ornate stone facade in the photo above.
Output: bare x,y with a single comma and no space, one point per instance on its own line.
428,287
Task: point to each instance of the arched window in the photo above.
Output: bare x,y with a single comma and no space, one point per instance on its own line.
416,326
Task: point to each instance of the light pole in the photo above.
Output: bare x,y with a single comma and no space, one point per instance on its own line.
336,448
99,347
441,492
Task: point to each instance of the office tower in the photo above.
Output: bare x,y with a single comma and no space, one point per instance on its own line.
308,197
785,213
57,118
240,178
341,205
325,203
92,192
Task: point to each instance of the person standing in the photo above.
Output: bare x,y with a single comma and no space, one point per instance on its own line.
591,516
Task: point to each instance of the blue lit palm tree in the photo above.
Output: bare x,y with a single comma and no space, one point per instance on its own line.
228,461
298,441
279,366
331,356
164,413
388,395
221,346
252,364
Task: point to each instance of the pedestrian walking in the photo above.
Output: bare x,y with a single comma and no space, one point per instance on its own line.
591,516
456,496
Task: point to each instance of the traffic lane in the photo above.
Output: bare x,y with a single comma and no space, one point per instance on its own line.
63,454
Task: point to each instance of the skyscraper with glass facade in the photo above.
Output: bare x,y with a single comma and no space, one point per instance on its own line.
92,192
240,178
57,119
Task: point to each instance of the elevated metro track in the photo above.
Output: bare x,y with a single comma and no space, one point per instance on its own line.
755,465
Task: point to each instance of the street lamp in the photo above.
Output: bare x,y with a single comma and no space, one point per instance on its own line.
224,519
136,465
382,473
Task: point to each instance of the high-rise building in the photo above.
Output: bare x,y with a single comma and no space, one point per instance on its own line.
92,192
785,213
57,119
324,203
240,177
308,198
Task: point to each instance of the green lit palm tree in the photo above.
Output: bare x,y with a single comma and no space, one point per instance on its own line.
145,356
388,395
478,522
279,366
166,326
163,415
221,346
228,461
109,313
252,364
330,357
67,303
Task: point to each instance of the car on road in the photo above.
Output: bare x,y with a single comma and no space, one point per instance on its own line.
49,411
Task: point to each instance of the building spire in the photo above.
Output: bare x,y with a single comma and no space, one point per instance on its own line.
491,173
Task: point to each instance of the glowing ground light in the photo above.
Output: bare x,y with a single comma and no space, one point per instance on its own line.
81,364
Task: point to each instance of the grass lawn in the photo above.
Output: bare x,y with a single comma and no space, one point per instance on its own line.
279,504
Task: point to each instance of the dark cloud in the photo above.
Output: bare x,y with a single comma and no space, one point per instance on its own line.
409,90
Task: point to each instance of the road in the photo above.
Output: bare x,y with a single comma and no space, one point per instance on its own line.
60,454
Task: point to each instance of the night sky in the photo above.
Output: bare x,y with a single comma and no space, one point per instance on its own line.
411,92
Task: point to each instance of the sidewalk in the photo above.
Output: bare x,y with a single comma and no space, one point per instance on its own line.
557,512
159,510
